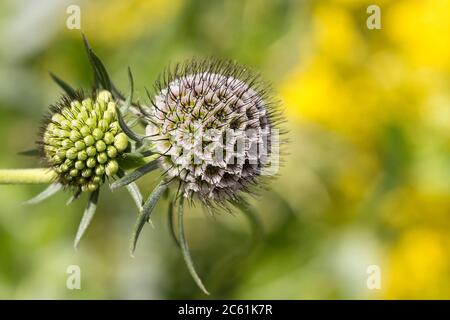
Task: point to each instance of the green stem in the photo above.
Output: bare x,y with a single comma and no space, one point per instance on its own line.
27,176
46,175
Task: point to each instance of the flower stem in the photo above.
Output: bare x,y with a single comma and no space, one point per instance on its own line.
27,176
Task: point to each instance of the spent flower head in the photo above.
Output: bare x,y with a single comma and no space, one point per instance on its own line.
213,126
212,122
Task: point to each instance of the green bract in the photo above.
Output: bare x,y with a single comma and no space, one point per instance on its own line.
82,141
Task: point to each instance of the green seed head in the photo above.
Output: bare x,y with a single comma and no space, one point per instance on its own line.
82,140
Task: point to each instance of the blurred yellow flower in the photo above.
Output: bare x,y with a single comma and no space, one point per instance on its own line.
419,266
421,28
336,34
113,21
354,85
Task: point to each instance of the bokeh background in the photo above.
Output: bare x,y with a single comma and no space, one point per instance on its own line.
365,181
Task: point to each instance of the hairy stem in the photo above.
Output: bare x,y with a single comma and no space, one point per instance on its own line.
27,176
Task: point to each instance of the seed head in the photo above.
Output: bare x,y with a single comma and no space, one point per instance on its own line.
82,140
209,121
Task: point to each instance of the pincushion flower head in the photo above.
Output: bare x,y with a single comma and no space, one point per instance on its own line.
207,124
213,125
82,144
82,140
210,128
